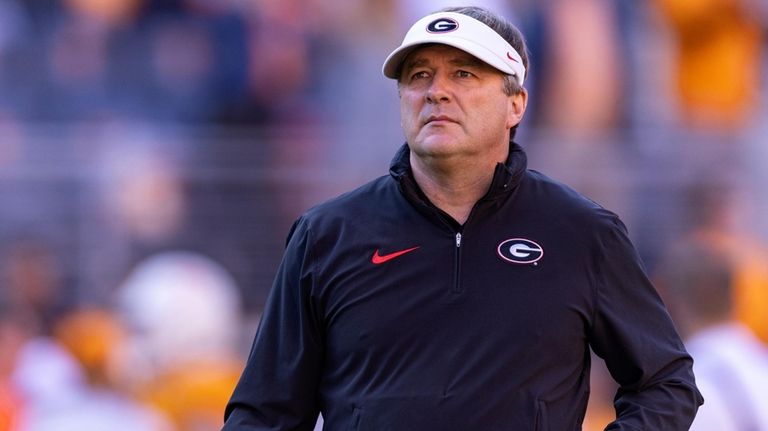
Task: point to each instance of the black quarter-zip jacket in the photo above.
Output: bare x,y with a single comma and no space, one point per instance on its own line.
387,315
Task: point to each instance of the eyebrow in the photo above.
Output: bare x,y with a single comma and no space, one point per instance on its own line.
467,60
415,63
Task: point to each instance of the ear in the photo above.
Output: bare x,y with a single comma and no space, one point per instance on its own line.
516,108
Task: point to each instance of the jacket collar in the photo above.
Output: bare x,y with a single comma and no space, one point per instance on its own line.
506,175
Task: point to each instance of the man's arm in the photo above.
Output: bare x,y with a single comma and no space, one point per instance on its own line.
634,334
278,387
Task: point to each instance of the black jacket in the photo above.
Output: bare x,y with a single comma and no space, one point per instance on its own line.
483,327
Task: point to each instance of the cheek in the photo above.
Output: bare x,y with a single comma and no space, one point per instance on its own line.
409,113
486,109
498,110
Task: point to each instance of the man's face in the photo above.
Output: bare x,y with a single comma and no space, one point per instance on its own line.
452,104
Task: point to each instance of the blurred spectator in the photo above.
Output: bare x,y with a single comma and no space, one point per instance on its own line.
80,394
58,391
141,188
278,58
92,336
32,281
183,313
77,64
718,60
85,60
730,363
581,88
718,217
59,397
182,69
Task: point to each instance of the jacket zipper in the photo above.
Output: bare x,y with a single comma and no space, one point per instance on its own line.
457,265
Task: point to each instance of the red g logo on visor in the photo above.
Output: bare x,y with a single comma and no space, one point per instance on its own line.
442,25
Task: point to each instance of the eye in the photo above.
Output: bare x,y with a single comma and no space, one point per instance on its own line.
464,74
422,74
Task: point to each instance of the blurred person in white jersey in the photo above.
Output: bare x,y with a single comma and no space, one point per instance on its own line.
730,362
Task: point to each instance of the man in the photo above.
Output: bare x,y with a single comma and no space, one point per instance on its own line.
462,291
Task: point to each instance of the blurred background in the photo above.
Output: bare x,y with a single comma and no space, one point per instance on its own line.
154,153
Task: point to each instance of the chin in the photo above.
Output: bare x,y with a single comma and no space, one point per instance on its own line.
435,146
437,143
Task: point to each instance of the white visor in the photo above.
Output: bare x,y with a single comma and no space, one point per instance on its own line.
462,32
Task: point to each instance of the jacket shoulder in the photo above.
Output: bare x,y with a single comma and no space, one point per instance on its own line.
353,205
563,203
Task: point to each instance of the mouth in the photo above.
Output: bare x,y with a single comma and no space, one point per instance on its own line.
439,119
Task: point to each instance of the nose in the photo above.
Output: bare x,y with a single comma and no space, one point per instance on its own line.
438,89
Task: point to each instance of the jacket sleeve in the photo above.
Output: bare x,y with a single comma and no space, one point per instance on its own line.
278,387
634,334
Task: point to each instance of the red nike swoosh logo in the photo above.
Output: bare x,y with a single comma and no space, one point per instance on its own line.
378,259
509,56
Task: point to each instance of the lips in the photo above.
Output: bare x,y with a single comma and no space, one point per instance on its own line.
433,118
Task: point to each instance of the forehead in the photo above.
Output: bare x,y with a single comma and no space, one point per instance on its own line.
432,53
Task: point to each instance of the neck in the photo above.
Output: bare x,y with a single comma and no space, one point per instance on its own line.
453,186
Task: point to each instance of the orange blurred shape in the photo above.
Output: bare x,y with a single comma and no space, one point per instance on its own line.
719,59
110,11
10,408
195,395
91,336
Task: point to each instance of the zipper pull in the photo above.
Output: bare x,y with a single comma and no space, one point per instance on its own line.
458,239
